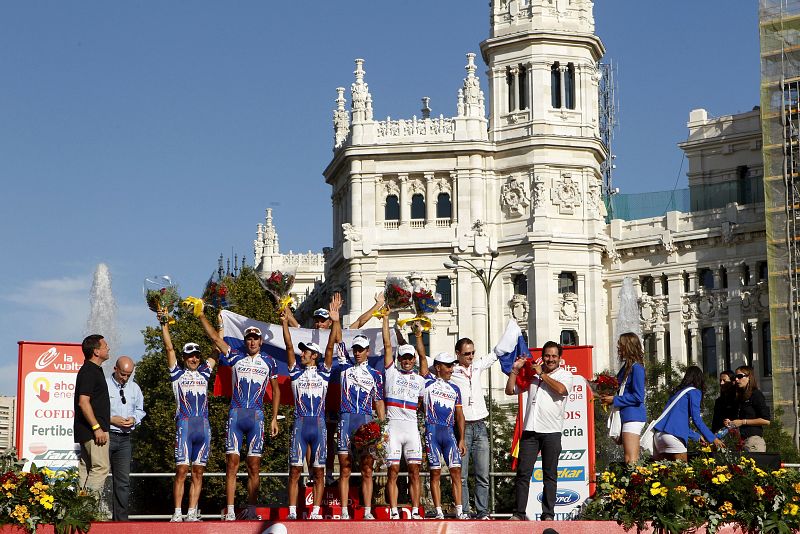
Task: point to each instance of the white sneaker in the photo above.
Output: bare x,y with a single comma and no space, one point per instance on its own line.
230,516
416,515
193,518
369,516
439,516
315,516
177,517
394,515
463,516
291,517
345,516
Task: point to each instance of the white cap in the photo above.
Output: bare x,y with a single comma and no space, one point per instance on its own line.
406,350
252,330
313,347
360,341
444,357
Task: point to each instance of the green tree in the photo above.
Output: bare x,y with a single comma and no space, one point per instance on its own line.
155,438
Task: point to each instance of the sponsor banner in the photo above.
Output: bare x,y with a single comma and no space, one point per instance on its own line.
576,461
45,393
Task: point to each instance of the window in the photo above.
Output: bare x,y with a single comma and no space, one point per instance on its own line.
709,346
664,285
685,282
566,283
649,347
510,88
555,85
444,289
727,354
392,209
444,208
723,277
569,86
745,274
648,285
766,350
522,82
687,334
748,337
763,271
568,338
706,278
520,282
417,206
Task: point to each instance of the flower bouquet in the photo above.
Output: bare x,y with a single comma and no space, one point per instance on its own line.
279,284
372,439
398,292
217,292
161,296
425,302
604,384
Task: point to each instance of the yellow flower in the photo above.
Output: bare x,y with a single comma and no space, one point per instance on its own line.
727,509
708,461
658,490
720,479
791,509
759,491
608,477
8,485
699,500
20,513
796,487
47,501
618,495
681,489
760,472
707,448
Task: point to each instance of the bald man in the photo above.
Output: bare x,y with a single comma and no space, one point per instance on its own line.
127,411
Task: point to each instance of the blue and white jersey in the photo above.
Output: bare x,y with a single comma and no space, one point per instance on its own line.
403,390
441,399
250,376
309,385
191,391
360,386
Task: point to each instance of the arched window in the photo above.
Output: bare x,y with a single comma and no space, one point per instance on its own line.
417,206
392,210
444,208
567,283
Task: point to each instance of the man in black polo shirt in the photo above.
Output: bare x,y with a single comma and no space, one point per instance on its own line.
92,415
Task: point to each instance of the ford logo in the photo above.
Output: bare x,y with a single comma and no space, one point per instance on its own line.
564,497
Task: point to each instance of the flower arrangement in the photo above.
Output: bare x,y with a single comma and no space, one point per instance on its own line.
161,296
278,284
372,439
45,497
217,294
604,384
711,491
425,302
398,292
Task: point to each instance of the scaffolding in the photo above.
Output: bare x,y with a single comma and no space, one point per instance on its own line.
608,123
779,28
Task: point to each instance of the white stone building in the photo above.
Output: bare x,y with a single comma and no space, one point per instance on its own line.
8,422
409,193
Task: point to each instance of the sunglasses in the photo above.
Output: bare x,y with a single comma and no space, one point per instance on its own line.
739,376
359,349
406,356
122,396
467,353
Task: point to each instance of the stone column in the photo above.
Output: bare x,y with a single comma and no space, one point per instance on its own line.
697,346
755,332
677,339
562,71
529,89
430,201
454,197
405,200
719,330
514,100
735,322
355,291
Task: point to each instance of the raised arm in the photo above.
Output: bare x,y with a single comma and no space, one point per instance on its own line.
216,339
292,320
287,339
362,320
511,383
336,328
416,327
172,358
388,357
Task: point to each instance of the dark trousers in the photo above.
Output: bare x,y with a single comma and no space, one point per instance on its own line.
120,459
529,446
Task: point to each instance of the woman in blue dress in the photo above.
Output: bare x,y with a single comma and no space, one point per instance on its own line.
631,402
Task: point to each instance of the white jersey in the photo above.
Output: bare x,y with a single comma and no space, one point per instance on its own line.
402,393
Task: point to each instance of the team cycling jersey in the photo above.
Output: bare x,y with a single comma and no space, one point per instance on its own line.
441,399
310,385
402,392
250,376
191,391
361,385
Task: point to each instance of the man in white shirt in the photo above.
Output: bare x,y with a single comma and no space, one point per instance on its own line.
544,419
467,375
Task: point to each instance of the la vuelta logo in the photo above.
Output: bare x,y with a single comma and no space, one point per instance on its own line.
46,358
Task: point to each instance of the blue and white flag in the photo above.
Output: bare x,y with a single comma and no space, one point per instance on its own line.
512,345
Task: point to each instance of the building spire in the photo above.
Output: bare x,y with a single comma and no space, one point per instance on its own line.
341,120
361,100
470,96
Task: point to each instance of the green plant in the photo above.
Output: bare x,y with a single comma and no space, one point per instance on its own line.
710,491
44,497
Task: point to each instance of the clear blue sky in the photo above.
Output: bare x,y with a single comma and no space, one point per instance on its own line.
153,135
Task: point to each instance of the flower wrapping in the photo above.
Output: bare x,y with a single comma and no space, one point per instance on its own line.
398,292
425,300
278,284
604,384
161,295
372,439
217,292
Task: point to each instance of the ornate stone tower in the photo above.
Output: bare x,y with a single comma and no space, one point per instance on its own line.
543,80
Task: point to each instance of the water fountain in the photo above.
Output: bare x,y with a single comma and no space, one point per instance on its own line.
103,313
629,316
